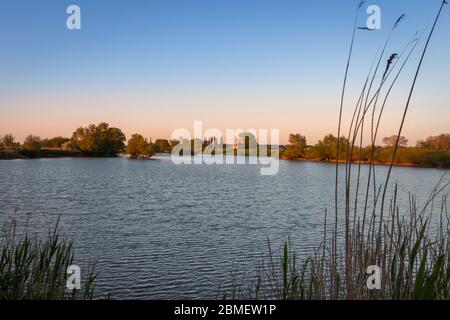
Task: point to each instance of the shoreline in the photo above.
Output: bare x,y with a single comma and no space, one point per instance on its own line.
79,155
377,163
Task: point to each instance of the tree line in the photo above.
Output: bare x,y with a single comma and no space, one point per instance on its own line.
102,140
433,151
99,140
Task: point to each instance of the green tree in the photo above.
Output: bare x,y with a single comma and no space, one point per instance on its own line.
56,142
138,146
98,140
392,140
8,140
327,148
296,148
162,145
32,144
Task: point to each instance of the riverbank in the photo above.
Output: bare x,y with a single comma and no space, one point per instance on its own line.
49,153
14,154
377,163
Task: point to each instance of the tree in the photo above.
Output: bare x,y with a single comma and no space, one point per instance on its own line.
32,143
297,140
296,148
440,142
327,148
56,142
100,140
8,140
138,146
392,140
421,144
162,145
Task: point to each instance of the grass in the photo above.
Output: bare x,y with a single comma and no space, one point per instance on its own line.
34,269
411,249
413,255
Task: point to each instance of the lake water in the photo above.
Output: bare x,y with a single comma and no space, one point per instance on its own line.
159,230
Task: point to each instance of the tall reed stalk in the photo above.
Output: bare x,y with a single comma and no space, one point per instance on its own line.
341,107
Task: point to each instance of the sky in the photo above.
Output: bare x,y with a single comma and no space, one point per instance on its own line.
154,66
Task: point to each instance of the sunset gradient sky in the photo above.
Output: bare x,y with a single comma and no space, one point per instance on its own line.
154,66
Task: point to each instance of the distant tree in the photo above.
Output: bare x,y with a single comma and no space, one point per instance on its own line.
46,143
421,144
56,142
138,146
296,148
98,140
327,148
68,146
32,143
8,140
440,142
162,145
392,140
297,140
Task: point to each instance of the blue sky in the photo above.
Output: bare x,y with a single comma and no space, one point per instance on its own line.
157,65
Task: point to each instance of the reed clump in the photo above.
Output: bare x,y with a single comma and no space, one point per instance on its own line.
35,269
412,253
